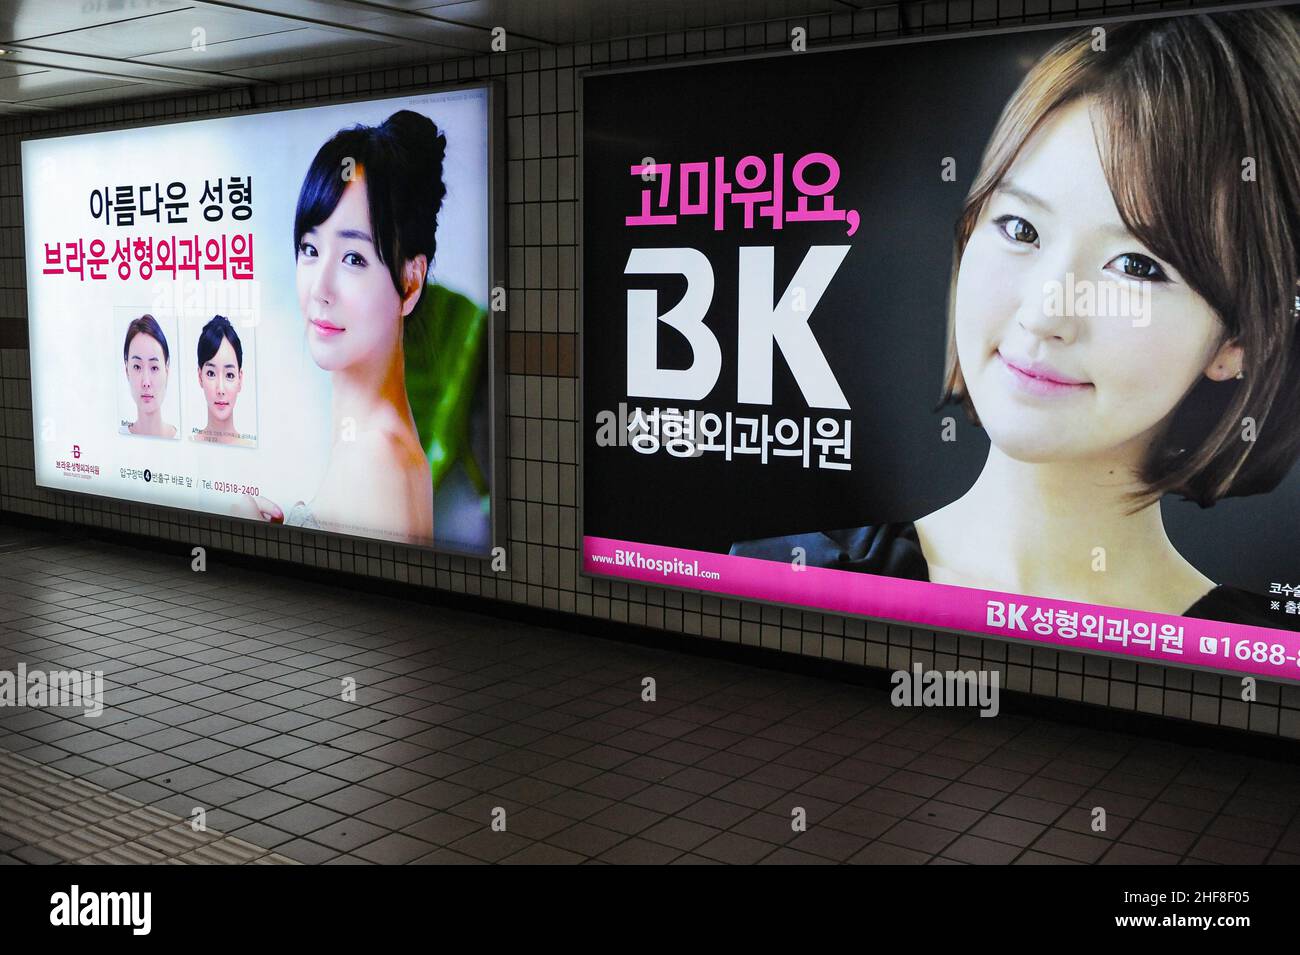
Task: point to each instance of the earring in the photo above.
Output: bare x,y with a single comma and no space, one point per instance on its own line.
1241,375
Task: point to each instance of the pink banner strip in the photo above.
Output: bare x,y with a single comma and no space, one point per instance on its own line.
1164,638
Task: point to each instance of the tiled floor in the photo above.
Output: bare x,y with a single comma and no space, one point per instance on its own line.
59,818
224,691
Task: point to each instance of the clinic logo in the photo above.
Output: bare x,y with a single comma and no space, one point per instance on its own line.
963,688
130,909
76,452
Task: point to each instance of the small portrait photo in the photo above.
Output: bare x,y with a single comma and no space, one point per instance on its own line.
148,405
217,378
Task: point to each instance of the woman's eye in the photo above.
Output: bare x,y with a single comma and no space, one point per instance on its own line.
352,258
1138,266
307,249
1017,229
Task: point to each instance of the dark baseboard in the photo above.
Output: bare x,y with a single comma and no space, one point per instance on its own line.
1095,716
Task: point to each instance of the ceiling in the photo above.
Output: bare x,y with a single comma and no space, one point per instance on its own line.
61,54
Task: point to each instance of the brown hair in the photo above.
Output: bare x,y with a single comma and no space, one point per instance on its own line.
146,325
1185,102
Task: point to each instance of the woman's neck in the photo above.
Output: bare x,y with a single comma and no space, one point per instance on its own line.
1060,529
373,396
221,430
150,424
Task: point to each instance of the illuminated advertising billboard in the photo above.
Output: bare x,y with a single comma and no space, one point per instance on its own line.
993,334
282,316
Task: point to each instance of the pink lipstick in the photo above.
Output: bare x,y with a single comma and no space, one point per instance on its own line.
325,329
1040,379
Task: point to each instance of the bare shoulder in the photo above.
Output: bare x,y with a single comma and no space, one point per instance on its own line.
378,469
375,451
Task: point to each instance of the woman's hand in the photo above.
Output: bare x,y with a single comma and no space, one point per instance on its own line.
258,509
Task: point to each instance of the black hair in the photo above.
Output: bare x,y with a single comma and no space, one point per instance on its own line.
145,325
401,160
210,340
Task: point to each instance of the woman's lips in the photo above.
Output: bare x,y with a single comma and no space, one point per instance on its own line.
146,397
324,328
1038,379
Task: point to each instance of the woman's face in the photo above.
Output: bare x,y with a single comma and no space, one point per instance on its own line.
1075,341
221,378
346,294
146,372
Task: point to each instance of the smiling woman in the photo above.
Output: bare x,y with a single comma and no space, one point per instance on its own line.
365,236
221,376
1154,172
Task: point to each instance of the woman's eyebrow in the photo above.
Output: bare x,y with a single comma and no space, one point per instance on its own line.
1023,195
355,234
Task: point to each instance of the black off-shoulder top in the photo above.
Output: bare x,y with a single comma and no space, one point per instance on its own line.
894,550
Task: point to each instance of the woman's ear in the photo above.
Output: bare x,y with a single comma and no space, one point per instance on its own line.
413,273
1227,362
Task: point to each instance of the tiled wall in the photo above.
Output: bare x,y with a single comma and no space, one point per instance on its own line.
542,347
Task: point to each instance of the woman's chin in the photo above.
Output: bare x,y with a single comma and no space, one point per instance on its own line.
1035,446
327,359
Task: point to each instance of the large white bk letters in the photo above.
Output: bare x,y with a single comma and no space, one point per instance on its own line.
760,326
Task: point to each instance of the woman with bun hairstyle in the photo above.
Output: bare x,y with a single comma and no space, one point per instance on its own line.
1161,165
221,376
365,236
148,366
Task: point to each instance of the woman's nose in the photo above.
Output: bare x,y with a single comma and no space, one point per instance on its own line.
1047,304
322,286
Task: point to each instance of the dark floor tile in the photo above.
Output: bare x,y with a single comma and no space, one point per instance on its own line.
394,849
975,850
488,846
262,804
946,815
715,812
540,853
916,835
1071,845
586,839
440,828
683,834
1016,832
734,849
1125,854
1226,852
639,852
304,819
1030,809
625,818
